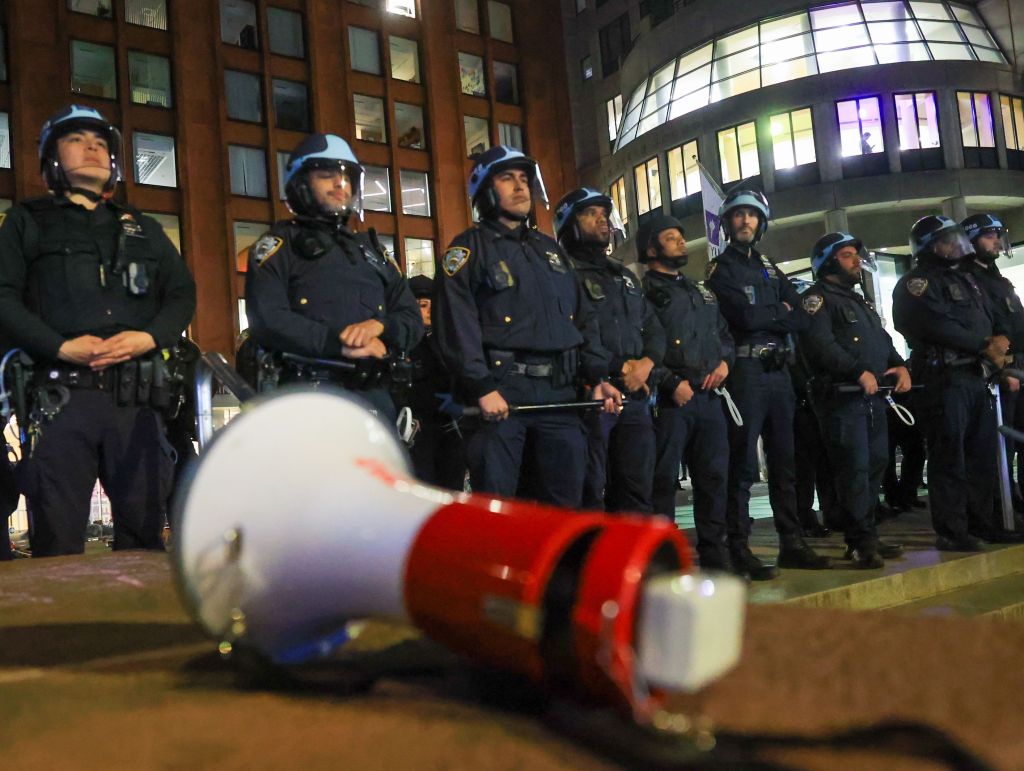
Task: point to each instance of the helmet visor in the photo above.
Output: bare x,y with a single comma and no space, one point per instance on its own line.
337,186
1001,247
950,245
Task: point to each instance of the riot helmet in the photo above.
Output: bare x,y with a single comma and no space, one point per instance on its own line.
939,237
978,225
828,246
489,164
647,237
75,117
752,198
567,230
327,152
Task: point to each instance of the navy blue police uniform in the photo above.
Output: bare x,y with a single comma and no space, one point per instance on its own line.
620,447
698,341
947,320
844,339
307,280
751,292
509,318
67,271
437,451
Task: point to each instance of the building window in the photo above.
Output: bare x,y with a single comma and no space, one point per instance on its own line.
586,68
248,171
1012,109
284,30
415,193
150,79
617,192
510,135
499,19
92,70
917,120
683,171
369,112
614,110
615,44
860,126
506,83
976,124
364,50
5,140
409,125
291,105
405,59
245,235
282,165
238,23
154,160
478,134
101,8
471,69
467,16
793,138
648,186
146,13
737,150
419,257
401,8
376,188
242,90
171,226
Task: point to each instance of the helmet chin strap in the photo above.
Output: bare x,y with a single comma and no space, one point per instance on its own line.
92,195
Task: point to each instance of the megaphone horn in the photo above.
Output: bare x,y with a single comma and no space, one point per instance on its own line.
302,515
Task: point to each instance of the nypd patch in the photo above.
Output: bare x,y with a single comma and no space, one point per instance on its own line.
454,259
707,294
709,271
264,249
812,303
917,286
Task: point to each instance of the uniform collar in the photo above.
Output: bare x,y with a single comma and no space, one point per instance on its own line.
660,276
519,233
754,256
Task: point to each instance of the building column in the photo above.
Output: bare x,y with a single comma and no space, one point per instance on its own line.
955,208
836,221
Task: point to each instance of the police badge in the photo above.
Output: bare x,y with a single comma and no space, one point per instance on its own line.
556,262
812,303
264,249
454,259
917,286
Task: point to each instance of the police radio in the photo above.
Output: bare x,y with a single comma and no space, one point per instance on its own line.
302,516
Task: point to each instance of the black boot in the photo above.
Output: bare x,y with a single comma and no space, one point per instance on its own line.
795,553
811,527
747,564
865,555
963,543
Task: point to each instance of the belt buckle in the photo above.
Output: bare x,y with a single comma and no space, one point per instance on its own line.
74,377
538,370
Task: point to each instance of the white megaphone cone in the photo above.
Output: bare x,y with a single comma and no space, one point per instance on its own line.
302,515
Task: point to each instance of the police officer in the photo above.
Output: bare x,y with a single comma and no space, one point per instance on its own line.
316,289
92,290
437,450
761,307
845,344
620,448
990,240
691,424
939,307
513,330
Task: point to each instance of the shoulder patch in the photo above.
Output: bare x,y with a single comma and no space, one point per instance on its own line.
709,271
812,303
454,259
264,249
917,286
707,294
3,216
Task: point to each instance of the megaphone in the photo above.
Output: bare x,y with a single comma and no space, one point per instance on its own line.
302,515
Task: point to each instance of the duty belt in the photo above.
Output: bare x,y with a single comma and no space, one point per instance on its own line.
103,380
532,370
761,351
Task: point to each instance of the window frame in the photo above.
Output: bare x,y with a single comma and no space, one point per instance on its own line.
650,204
739,155
266,172
792,138
174,160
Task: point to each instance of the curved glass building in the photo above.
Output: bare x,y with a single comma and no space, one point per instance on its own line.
859,116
